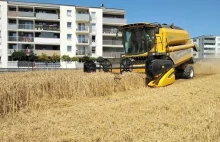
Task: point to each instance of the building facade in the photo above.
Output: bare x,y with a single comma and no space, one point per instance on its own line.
209,47
62,29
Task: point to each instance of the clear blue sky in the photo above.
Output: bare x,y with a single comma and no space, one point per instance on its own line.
198,17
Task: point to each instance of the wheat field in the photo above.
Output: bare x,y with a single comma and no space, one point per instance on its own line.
67,106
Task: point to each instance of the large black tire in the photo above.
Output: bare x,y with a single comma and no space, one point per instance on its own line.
188,72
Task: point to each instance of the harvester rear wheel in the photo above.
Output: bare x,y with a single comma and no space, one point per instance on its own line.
188,72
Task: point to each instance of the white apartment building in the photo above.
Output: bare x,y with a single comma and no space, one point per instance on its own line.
209,46
62,29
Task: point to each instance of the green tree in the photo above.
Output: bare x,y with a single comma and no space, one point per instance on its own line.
55,58
85,58
32,57
65,58
43,57
100,59
93,58
19,56
75,59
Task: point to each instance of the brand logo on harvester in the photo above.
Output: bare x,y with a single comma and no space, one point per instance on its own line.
177,55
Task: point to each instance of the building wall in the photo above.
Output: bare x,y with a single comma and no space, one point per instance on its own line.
4,34
209,47
98,34
64,31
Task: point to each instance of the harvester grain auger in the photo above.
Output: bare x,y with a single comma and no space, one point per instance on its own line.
161,51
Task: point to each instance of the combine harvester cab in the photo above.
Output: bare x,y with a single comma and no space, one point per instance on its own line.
163,52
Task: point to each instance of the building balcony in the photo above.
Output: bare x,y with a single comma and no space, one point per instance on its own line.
82,17
82,30
48,52
25,39
12,26
112,43
20,14
10,51
110,32
82,52
20,39
25,26
12,38
114,21
209,51
47,16
82,42
112,54
47,41
47,28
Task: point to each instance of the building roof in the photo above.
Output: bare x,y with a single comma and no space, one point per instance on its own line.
57,5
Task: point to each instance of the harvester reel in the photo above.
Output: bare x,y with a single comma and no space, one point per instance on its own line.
126,65
106,65
89,66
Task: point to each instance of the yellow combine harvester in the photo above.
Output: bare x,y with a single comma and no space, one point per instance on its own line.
159,50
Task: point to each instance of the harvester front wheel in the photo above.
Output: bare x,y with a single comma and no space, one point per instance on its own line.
188,72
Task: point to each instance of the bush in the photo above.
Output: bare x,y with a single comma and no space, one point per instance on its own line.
75,59
85,58
65,58
44,58
19,56
92,58
99,59
55,58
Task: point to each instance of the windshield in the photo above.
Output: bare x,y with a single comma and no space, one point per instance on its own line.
137,41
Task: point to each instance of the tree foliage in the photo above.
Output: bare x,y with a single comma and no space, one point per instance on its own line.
55,58
43,57
19,56
65,58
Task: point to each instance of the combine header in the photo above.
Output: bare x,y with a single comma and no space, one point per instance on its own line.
159,50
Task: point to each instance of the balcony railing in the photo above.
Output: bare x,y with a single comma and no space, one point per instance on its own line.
46,40
120,21
82,52
25,26
109,31
25,39
48,52
27,51
12,26
83,41
82,17
82,29
12,38
20,14
112,54
112,42
47,27
47,16
12,13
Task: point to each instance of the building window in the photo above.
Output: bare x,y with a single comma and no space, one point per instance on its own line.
69,12
93,15
209,43
69,24
69,48
93,38
93,49
93,27
69,36
218,39
218,44
82,39
81,27
209,38
194,40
